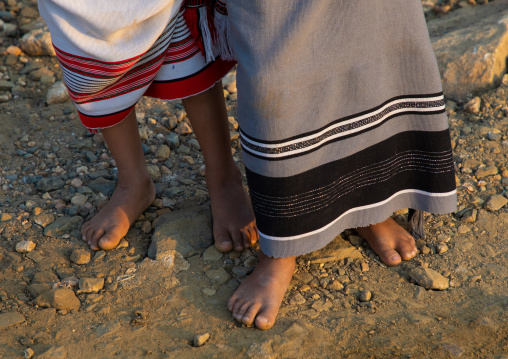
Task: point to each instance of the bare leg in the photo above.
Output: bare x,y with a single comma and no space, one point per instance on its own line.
134,191
259,297
234,226
390,241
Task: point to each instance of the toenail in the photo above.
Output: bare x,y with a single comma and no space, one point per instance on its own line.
395,257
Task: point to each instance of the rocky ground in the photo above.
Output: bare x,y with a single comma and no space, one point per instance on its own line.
162,293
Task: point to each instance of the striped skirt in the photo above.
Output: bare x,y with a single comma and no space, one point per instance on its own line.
342,117
112,52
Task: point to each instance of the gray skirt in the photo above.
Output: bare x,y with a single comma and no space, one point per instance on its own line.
342,117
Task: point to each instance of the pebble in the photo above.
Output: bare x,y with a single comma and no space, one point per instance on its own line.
463,229
336,286
55,352
59,298
102,185
49,184
91,285
473,106
209,292
173,140
163,152
4,217
297,299
80,256
364,296
200,339
441,248
495,203
429,278
44,220
28,353
76,182
218,276
79,199
482,172
211,254
62,226
37,43
25,246
57,93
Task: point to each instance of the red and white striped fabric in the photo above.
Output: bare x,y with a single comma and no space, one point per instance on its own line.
114,52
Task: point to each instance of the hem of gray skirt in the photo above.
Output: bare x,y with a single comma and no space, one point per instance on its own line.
283,248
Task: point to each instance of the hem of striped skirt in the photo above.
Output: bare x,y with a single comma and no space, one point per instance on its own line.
283,247
170,90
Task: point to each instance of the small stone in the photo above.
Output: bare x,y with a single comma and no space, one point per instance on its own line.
79,199
441,248
297,299
63,225
146,226
80,256
364,296
486,171
102,185
211,254
463,229
473,106
36,257
183,128
336,286
29,352
57,93
209,292
163,152
495,203
10,318
218,276
4,217
59,298
173,140
37,43
355,240
25,246
364,266
49,184
44,220
76,182
429,278
91,285
107,328
123,244
200,339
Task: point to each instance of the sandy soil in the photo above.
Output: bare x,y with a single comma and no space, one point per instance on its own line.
349,305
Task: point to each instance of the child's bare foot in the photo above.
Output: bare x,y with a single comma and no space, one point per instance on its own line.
234,225
110,225
258,299
390,241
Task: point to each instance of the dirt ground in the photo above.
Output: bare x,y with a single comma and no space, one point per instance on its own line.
344,306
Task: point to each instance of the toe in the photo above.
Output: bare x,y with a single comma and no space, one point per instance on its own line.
245,237
237,240
266,318
406,250
250,315
109,241
223,242
232,302
390,257
253,235
241,312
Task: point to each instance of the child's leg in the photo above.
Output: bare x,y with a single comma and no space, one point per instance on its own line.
258,299
134,191
391,242
234,226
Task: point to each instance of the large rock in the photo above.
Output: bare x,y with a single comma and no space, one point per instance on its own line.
183,231
37,43
59,298
471,46
338,249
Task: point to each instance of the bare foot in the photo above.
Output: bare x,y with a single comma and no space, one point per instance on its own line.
110,225
260,295
391,242
234,225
